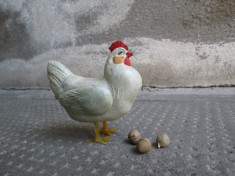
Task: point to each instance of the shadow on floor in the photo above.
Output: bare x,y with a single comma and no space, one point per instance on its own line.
66,132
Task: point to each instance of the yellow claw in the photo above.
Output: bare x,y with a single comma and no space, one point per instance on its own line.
106,130
98,138
101,140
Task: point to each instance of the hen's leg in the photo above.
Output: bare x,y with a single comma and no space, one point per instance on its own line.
98,138
106,130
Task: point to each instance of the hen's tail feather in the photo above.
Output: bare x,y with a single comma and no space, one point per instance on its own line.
56,73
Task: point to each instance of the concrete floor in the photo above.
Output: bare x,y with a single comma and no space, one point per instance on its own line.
37,137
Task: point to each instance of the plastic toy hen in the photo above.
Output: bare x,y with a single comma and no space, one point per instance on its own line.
98,100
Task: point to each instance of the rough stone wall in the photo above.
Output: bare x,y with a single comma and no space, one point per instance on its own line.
176,43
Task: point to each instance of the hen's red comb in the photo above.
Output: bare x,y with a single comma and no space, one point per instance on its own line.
118,44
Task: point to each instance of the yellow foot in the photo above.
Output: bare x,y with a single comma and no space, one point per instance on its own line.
108,131
101,140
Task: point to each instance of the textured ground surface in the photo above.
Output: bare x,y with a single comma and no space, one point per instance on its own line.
38,138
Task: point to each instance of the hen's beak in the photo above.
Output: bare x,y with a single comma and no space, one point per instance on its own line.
118,59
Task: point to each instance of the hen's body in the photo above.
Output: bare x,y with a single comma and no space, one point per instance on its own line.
96,100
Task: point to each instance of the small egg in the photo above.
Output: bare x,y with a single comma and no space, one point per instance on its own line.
144,145
134,136
162,140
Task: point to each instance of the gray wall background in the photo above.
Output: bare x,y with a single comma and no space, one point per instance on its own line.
176,43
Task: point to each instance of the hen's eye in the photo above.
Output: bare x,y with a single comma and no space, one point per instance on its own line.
120,53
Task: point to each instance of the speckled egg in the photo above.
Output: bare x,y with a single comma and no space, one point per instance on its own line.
162,140
144,145
134,136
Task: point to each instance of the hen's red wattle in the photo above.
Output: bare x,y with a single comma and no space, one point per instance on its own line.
127,60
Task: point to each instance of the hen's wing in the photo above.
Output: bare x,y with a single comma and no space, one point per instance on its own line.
87,100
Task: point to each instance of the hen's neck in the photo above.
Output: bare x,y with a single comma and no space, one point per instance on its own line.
124,81
115,74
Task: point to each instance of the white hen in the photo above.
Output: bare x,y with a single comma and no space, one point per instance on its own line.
98,100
